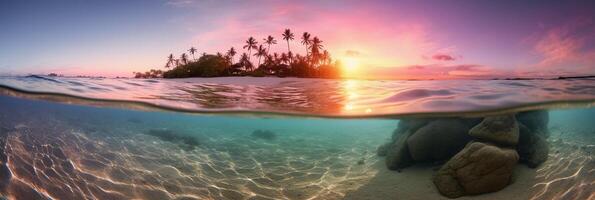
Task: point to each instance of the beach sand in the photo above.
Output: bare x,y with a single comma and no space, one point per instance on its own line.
415,183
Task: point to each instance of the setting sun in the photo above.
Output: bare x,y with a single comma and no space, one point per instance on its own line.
351,63
350,66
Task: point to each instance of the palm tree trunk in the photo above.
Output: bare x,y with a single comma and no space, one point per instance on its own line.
249,55
289,50
268,50
307,53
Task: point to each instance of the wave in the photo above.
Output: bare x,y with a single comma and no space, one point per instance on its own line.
308,97
145,106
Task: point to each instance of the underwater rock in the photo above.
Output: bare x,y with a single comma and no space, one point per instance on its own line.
408,124
502,130
478,168
264,134
382,149
186,142
397,155
361,161
135,120
533,148
438,140
536,121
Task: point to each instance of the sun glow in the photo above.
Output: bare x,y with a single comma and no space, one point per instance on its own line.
350,64
350,67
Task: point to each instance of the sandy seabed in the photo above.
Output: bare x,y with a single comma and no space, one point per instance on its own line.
50,159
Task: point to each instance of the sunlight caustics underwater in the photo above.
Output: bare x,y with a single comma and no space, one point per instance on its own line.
279,147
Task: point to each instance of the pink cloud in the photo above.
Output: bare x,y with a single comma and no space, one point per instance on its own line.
567,49
353,53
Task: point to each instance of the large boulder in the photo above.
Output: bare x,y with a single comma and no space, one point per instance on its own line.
478,168
409,125
397,153
503,130
438,140
536,121
383,149
533,148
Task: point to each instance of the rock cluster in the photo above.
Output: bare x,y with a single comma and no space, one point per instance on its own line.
480,152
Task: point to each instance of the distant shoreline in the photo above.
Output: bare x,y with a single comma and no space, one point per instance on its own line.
334,78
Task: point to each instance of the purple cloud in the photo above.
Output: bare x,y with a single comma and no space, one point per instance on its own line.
443,57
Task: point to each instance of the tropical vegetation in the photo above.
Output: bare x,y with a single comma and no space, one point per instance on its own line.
317,63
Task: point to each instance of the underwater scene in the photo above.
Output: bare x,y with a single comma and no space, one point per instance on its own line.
80,138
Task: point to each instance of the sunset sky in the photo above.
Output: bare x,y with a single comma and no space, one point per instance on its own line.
385,39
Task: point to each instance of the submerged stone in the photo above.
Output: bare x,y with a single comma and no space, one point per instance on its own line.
438,140
533,148
536,121
264,134
502,130
478,168
186,142
396,151
397,154
383,149
408,124
135,120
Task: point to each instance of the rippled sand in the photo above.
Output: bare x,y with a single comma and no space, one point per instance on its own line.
72,164
76,165
49,159
569,172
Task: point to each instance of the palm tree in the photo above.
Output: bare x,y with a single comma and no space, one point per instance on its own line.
284,58
276,58
306,41
270,40
250,44
245,62
260,52
170,60
288,35
184,58
326,57
315,48
290,56
231,53
192,50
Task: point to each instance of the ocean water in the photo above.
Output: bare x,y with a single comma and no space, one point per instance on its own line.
267,138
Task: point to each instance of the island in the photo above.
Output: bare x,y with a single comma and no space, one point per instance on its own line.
317,63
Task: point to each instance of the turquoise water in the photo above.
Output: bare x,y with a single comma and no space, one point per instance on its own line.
264,145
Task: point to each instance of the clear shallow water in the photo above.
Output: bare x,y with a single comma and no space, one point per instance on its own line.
56,151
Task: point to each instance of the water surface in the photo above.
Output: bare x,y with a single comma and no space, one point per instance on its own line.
321,97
